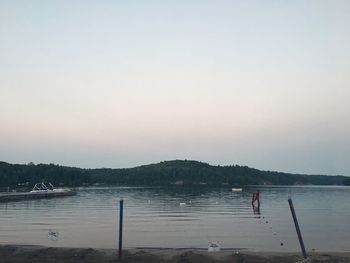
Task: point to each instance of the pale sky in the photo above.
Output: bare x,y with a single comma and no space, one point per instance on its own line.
124,83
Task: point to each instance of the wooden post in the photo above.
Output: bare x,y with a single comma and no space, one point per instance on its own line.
297,227
120,252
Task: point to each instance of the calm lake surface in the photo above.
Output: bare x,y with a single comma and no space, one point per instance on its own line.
154,218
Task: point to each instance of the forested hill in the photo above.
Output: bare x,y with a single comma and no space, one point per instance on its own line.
178,172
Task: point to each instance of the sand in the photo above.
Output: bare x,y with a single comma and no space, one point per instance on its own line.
37,254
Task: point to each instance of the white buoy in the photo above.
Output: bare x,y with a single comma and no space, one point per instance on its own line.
182,204
214,246
237,190
52,235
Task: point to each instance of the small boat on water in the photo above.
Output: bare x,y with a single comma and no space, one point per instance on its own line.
45,188
40,190
237,190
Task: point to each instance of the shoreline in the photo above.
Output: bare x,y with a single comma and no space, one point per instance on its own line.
33,253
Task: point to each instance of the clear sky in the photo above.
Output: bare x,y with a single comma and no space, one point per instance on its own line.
123,83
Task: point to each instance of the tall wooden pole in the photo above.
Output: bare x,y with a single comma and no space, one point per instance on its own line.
297,227
120,249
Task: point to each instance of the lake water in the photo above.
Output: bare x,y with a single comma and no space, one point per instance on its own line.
155,218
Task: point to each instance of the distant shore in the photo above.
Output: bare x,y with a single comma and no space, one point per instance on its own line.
167,174
25,253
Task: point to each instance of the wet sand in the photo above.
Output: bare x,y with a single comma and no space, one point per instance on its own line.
37,254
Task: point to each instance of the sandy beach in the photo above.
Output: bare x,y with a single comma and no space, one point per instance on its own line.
22,253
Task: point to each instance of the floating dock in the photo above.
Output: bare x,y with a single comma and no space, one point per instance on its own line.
18,196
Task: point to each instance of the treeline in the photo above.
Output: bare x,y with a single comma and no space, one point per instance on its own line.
178,172
14,175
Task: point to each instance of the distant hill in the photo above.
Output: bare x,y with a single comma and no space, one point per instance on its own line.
177,172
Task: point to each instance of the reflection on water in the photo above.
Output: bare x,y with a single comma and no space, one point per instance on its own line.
153,217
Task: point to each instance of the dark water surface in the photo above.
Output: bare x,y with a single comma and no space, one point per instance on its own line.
155,218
